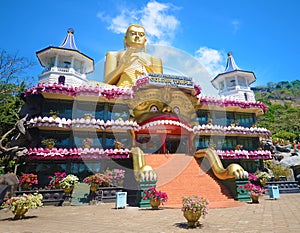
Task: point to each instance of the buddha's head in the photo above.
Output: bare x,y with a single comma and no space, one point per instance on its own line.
135,37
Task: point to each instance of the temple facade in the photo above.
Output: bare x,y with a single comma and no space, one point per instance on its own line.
159,126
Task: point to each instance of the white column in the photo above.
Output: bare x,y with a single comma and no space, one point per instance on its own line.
56,61
72,63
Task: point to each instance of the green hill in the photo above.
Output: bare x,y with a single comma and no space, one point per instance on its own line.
283,100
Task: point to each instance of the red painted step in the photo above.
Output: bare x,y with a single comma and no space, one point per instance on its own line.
180,175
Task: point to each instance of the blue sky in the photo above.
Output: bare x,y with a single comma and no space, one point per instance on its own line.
263,36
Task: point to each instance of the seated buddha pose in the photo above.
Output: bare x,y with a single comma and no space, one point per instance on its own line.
124,67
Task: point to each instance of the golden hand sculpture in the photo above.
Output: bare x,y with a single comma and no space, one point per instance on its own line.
124,67
141,170
232,171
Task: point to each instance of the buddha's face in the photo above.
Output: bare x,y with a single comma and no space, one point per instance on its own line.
135,37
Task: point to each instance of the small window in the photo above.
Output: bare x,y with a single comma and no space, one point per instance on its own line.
61,80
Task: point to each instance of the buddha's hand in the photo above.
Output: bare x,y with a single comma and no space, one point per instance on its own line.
127,58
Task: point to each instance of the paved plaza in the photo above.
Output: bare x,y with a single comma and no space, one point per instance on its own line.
281,215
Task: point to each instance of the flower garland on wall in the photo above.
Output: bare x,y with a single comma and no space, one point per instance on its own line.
128,124
116,92
97,153
82,123
221,102
244,154
227,130
76,153
109,93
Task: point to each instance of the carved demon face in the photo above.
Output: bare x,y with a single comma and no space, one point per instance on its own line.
162,104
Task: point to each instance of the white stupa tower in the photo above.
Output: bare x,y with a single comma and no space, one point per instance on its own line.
64,64
234,82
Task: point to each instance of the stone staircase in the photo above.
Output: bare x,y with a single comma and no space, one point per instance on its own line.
180,175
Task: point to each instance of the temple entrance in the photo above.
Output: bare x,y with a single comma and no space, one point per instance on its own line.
163,143
176,144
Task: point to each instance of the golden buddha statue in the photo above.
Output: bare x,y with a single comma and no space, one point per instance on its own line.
124,67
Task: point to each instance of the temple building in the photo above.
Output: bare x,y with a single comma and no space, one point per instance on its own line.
158,127
235,82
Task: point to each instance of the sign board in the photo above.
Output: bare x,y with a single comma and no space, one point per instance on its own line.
121,199
171,80
80,194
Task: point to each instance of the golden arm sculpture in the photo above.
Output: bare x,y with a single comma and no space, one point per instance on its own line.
232,171
124,67
141,170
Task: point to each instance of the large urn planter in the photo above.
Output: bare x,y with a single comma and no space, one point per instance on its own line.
254,199
21,204
68,190
94,187
20,212
193,208
192,218
154,203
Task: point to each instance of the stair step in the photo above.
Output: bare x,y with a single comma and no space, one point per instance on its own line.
180,175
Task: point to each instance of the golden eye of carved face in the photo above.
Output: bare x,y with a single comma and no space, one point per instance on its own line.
153,108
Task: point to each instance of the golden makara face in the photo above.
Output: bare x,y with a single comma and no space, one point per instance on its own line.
153,109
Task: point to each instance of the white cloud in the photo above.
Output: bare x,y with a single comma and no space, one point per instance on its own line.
176,61
213,60
158,21
120,23
156,17
236,25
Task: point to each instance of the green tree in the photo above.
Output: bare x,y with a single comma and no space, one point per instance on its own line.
282,117
13,70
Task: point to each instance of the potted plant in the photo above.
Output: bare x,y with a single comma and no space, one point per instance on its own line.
49,143
58,176
279,171
88,116
87,142
263,177
67,183
28,180
255,191
54,113
193,208
94,181
20,205
155,196
115,176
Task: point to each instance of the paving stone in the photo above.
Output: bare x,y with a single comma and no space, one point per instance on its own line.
279,216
